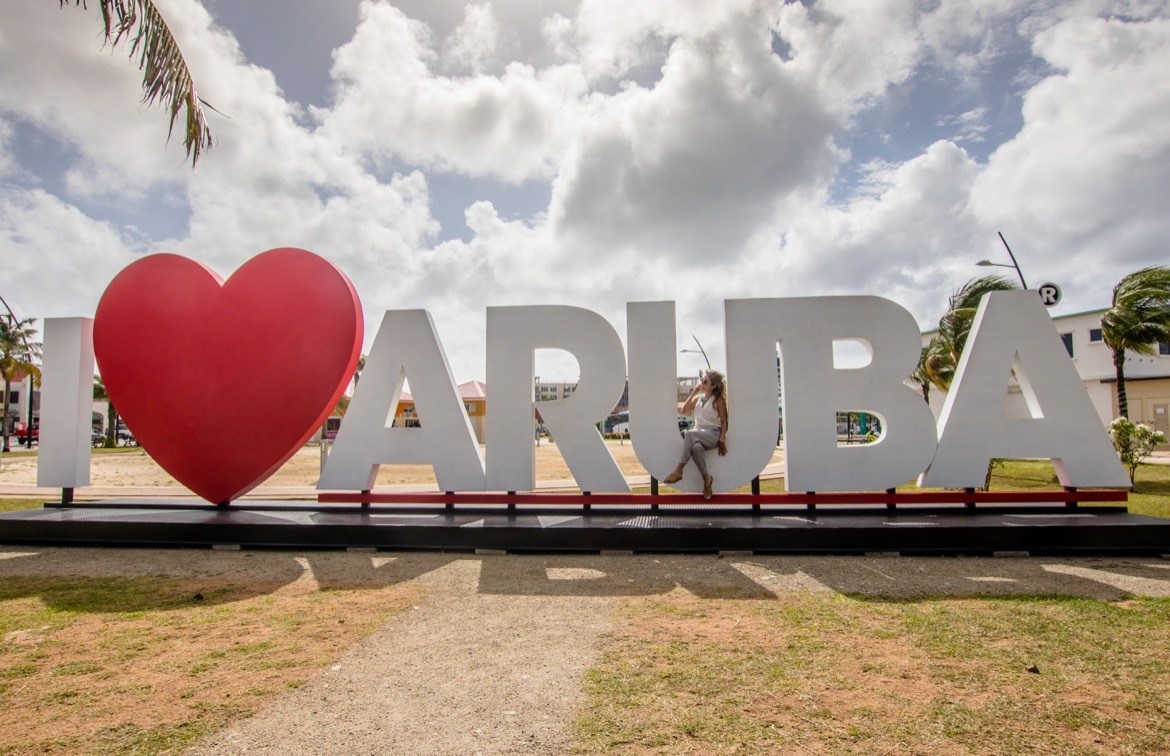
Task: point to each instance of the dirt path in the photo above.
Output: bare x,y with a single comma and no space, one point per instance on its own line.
465,671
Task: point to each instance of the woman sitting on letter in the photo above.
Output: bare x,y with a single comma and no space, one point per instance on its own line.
708,403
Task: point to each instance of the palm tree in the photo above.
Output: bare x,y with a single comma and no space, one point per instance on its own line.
165,76
101,395
921,377
943,353
17,355
1138,318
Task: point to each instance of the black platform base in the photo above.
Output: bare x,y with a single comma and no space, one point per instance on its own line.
1035,529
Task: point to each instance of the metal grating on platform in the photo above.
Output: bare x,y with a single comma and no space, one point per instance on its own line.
638,522
778,529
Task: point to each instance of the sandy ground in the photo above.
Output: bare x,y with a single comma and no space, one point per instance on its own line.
135,469
492,659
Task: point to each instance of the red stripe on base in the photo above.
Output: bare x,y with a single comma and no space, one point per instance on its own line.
829,497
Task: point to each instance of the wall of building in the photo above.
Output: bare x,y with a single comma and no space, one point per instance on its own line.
18,409
476,410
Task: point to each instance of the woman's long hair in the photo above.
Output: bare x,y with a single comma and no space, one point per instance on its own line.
718,383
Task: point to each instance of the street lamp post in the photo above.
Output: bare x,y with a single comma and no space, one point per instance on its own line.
700,351
987,263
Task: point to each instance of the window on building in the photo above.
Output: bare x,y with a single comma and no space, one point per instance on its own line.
1095,336
1067,339
1164,347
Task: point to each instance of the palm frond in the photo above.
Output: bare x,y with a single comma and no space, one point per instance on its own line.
99,389
166,79
1140,313
968,296
939,364
945,349
1138,317
18,350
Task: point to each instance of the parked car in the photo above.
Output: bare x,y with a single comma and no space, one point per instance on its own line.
96,437
125,437
22,432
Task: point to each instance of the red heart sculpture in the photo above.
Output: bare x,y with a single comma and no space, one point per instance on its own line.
222,382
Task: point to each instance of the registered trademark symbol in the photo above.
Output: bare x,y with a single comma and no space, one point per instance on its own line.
1049,294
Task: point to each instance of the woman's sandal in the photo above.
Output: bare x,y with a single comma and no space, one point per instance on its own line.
708,481
673,478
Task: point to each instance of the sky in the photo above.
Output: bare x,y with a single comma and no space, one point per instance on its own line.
454,156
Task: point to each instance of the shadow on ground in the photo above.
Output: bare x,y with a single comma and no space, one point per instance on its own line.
105,580
768,577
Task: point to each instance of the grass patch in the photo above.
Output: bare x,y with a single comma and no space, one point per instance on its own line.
23,453
838,674
139,665
1150,494
11,505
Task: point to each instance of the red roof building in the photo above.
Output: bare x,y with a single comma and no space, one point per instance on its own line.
474,396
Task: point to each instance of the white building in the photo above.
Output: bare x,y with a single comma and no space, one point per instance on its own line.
1147,379
20,409
547,391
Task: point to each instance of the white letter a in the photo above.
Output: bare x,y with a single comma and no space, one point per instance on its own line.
406,346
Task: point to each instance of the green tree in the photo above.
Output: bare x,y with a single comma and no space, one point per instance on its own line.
101,395
944,350
166,78
1138,318
921,377
18,354
1134,443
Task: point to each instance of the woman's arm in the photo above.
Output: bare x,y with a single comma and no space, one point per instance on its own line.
721,408
689,405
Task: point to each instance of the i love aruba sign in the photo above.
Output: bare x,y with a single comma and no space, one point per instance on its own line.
274,347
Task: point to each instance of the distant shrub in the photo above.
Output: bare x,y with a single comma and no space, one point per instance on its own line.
1134,443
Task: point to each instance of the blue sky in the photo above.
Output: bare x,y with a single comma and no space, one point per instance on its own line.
456,156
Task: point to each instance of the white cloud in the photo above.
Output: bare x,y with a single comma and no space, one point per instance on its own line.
1084,180
269,181
693,165
67,88
907,237
7,163
969,126
557,31
391,106
472,46
850,51
53,253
